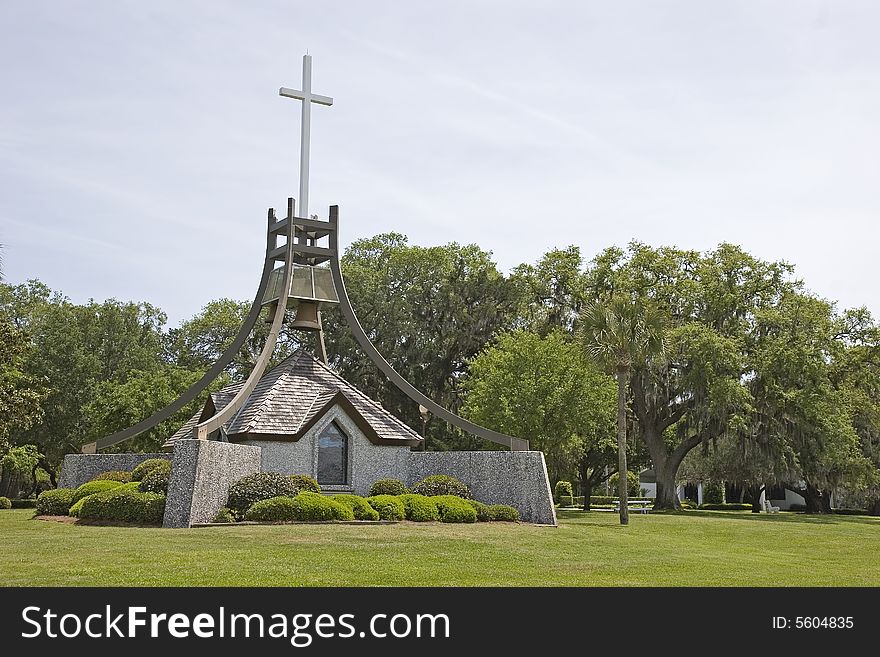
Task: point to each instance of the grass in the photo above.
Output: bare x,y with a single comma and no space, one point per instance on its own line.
697,548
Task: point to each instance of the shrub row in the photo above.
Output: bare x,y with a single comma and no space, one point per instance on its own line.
305,506
114,475
359,507
5,503
725,507
24,504
253,488
441,485
156,480
123,504
562,489
92,487
389,507
388,487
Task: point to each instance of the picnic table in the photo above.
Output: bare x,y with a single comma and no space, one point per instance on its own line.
638,506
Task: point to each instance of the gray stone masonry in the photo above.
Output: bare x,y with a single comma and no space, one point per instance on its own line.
518,479
77,469
201,474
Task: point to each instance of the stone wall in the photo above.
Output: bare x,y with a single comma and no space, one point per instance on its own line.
515,478
200,478
77,469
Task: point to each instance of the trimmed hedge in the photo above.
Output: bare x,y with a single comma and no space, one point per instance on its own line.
224,515
24,504
5,503
121,476
419,508
481,509
253,488
388,487
388,507
454,509
503,513
725,507
850,512
305,506
156,480
797,507
74,511
129,505
562,489
55,502
144,467
92,487
359,506
441,485
303,483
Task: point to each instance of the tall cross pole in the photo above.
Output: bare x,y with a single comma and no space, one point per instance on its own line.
307,98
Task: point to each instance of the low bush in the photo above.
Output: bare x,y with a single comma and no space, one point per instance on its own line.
797,507
562,489
713,492
156,480
733,506
566,500
224,515
419,508
144,467
114,475
850,512
24,504
303,483
92,487
55,502
481,509
74,510
305,506
602,499
359,506
388,487
257,487
441,485
389,507
503,513
5,503
124,504
687,504
454,509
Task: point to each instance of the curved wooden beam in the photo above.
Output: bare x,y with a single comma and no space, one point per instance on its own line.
216,369
405,386
204,429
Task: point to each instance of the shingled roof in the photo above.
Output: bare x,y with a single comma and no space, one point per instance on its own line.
291,398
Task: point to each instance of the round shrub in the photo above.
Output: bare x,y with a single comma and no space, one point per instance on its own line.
305,506
632,484
144,467
504,513
55,502
92,487
124,504
454,509
114,475
562,489
5,503
481,509
224,515
441,485
359,506
258,487
419,508
304,484
156,480
388,507
388,487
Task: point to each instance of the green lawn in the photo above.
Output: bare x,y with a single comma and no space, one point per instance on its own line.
693,549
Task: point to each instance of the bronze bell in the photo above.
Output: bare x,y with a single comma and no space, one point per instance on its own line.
306,318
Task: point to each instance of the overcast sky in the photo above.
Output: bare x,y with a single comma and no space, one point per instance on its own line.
141,142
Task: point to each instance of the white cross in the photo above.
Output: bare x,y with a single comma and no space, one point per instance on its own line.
308,98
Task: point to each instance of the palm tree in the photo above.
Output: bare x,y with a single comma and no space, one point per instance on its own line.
621,334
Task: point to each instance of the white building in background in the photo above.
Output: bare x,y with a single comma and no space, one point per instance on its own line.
777,495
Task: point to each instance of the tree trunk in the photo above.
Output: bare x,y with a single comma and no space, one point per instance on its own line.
825,496
621,446
587,489
754,492
812,498
667,497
